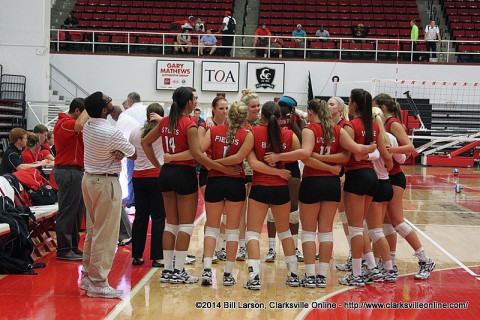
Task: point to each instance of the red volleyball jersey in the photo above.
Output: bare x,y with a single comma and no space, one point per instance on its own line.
285,122
359,137
388,127
342,123
219,144
261,146
321,148
176,141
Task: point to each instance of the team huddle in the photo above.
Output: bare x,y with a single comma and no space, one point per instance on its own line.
250,168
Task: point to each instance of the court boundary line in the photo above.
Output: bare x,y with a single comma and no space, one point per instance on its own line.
301,315
125,302
444,251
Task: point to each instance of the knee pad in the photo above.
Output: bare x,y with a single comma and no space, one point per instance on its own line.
388,229
232,234
375,234
251,235
325,236
354,232
308,236
294,217
186,228
343,217
284,235
270,216
403,229
172,228
212,232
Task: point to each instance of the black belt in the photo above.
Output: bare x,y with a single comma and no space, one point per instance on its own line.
68,167
104,174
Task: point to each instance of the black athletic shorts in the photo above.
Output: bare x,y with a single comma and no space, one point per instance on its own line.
317,189
178,178
275,195
361,182
202,177
294,169
399,180
384,191
225,188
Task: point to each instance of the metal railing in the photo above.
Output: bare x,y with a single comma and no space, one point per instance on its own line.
343,47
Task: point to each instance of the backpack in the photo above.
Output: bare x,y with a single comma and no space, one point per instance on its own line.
16,252
39,189
231,25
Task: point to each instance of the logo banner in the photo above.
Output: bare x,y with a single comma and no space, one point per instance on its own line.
266,77
220,76
172,74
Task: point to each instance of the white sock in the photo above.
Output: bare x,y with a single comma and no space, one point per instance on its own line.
207,263
228,267
292,264
310,269
271,243
421,255
241,242
322,268
377,260
387,265
392,257
357,266
219,244
180,257
168,259
370,260
253,268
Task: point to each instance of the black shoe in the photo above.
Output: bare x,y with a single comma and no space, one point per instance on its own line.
138,262
77,251
124,242
69,256
156,264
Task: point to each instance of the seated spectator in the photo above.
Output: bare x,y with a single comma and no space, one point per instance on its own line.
299,35
359,31
51,143
71,21
277,45
12,157
63,36
183,23
208,41
183,40
31,153
42,132
199,25
260,39
322,34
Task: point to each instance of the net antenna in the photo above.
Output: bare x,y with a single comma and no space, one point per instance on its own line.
415,111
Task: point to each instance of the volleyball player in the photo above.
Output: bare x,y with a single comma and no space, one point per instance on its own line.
219,117
270,189
361,182
291,121
398,181
251,99
178,181
317,209
225,193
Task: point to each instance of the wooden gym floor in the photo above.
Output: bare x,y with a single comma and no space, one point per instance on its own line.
449,229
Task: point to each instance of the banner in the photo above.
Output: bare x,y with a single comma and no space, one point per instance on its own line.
266,77
220,76
172,74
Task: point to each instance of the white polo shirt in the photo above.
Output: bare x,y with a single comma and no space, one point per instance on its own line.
100,138
142,162
431,32
138,111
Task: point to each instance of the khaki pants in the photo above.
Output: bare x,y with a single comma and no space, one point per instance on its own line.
103,202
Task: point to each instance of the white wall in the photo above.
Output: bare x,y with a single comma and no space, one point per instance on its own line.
119,75
24,43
